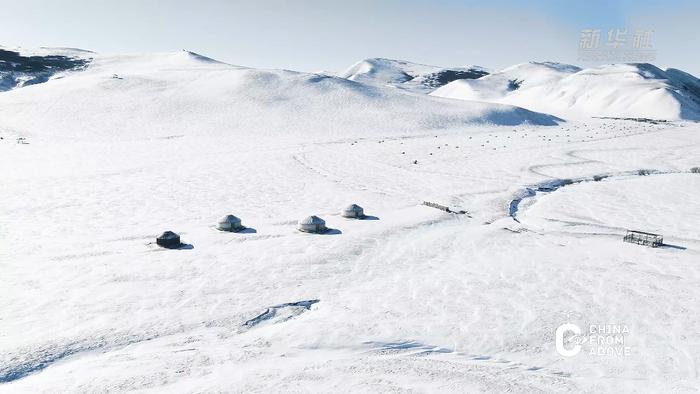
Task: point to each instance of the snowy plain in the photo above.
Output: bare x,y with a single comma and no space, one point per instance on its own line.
411,300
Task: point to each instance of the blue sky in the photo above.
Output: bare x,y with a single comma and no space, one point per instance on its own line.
314,35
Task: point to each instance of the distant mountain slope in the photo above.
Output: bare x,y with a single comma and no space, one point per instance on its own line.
496,86
408,75
385,71
19,69
150,95
618,90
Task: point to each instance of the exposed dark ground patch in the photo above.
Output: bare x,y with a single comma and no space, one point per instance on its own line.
443,77
17,70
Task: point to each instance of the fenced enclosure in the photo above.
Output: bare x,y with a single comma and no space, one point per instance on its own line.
642,238
444,208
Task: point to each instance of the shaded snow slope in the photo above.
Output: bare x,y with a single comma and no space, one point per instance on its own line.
618,90
152,95
399,73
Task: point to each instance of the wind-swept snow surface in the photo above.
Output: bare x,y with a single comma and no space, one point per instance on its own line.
99,163
619,90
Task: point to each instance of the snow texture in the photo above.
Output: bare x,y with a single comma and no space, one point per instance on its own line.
97,163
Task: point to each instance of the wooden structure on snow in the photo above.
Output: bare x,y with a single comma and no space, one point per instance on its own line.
642,238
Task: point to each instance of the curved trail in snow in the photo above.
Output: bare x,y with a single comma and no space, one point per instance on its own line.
556,184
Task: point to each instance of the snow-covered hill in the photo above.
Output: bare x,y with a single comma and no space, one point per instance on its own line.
408,75
496,86
155,94
619,90
385,71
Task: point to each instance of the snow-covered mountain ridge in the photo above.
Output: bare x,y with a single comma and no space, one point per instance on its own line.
616,90
408,75
152,94
566,91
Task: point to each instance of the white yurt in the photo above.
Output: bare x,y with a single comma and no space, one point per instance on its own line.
353,211
229,223
312,224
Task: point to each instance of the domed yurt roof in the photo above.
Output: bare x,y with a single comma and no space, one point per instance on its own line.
229,223
353,211
312,224
313,219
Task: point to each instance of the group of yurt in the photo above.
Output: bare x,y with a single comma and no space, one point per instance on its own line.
310,224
